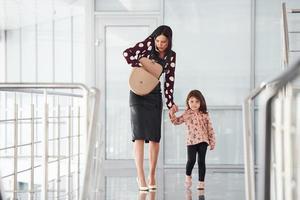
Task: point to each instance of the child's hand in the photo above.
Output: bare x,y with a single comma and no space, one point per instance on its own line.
171,113
211,147
173,119
172,116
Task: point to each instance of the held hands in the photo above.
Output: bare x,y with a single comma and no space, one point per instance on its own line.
172,118
172,112
174,108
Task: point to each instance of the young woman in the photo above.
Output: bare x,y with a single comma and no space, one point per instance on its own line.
146,111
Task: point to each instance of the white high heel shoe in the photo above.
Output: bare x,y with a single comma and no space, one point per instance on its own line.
152,187
141,188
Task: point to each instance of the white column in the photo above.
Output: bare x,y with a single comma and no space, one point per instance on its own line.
2,56
90,75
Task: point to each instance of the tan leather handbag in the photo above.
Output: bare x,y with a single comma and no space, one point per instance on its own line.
144,79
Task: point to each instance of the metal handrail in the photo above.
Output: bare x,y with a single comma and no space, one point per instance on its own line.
285,34
269,89
1,188
14,85
92,143
43,88
36,91
248,142
294,11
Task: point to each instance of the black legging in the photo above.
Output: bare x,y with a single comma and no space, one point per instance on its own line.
191,153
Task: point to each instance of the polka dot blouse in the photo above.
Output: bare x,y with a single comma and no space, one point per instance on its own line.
143,49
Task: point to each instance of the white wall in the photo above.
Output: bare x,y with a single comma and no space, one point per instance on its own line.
47,52
224,49
2,56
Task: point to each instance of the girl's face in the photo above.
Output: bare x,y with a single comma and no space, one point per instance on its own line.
161,43
194,103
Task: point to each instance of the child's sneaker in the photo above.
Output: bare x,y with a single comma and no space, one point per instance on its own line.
200,185
188,182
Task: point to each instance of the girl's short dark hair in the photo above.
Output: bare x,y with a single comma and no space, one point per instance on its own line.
166,31
198,95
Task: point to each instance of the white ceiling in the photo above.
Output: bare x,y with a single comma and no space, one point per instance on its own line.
20,13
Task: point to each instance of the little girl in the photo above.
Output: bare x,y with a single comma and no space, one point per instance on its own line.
200,134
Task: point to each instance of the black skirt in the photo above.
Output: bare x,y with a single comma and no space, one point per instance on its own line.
146,112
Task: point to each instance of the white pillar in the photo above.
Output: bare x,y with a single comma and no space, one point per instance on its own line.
2,56
90,72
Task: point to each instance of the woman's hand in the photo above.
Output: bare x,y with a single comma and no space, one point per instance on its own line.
171,114
174,108
142,59
172,111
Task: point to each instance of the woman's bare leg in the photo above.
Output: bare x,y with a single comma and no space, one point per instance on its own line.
139,161
153,156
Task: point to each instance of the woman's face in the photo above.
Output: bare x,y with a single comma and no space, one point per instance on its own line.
161,43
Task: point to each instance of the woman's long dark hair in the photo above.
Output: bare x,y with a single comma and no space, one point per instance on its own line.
167,32
198,95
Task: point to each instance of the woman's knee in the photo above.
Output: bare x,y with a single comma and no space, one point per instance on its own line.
154,145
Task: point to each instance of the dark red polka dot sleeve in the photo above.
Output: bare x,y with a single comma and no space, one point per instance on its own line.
143,49
169,80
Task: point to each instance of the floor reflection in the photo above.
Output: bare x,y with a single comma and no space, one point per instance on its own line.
200,194
220,185
189,194
151,195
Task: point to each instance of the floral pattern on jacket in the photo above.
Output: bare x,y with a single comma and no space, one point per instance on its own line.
199,127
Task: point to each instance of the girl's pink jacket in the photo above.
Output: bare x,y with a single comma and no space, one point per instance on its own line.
199,127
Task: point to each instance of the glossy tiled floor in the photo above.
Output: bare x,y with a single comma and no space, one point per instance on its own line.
220,185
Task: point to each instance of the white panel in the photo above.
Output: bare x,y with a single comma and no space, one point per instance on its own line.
13,56
28,54
297,148
17,14
45,52
268,40
293,4
127,5
293,25
78,49
2,56
212,41
63,50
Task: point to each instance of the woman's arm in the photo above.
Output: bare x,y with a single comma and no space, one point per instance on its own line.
169,80
133,54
